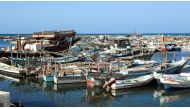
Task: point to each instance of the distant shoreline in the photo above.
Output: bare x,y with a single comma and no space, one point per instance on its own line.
173,34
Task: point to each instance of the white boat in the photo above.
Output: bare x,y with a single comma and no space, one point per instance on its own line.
181,80
171,68
12,71
143,62
180,62
129,83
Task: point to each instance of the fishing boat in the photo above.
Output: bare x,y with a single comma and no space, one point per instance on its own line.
180,62
181,80
134,70
138,62
49,77
129,83
133,74
69,79
48,73
98,78
171,68
126,68
12,71
117,55
68,59
93,82
70,74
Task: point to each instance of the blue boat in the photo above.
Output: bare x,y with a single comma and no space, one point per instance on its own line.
49,78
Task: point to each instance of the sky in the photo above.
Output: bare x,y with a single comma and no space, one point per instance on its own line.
95,17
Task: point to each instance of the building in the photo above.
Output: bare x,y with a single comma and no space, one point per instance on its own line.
165,39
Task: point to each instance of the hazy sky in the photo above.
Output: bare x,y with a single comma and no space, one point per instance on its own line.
95,17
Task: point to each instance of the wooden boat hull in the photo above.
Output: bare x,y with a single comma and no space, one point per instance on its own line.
69,79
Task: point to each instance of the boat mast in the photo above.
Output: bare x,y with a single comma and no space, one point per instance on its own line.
166,53
174,56
41,48
110,69
11,52
41,43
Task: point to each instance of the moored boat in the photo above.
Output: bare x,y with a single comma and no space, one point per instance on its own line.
180,62
171,68
129,83
138,62
49,77
69,79
91,81
12,71
70,74
181,80
68,59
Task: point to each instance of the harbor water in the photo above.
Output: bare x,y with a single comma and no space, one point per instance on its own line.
34,92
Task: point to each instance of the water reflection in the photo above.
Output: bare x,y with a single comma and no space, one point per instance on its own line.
29,85
170,96
93,93
35,92
62,88
97,93
33,84
96,96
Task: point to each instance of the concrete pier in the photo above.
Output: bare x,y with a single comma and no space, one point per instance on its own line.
4,99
